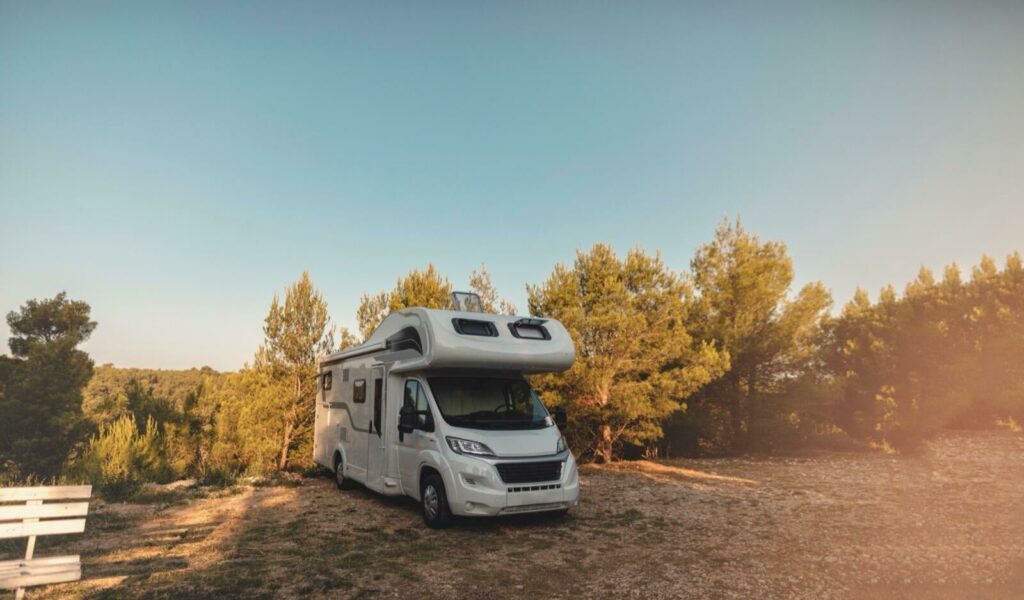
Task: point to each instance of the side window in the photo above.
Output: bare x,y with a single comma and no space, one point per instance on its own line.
325,380
416,398
359,391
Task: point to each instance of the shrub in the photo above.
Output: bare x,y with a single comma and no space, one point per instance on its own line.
120,458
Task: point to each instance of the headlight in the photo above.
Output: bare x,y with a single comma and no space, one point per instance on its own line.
561,445
461,446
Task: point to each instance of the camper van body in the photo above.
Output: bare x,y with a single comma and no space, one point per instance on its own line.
439,364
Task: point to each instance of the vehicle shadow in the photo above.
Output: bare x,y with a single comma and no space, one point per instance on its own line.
411,506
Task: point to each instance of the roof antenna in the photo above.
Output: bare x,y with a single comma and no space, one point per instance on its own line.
467,302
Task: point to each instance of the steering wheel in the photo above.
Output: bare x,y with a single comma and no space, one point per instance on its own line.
502,407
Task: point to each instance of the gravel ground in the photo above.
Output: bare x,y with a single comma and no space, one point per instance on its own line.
948,523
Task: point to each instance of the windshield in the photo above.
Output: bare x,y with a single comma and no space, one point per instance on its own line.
487,403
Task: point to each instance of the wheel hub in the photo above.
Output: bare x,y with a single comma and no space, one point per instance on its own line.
431,502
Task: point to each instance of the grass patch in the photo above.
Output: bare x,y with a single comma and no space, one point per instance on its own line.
164,496
107,521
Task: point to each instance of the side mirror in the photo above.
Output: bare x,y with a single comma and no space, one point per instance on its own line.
558,416
408,419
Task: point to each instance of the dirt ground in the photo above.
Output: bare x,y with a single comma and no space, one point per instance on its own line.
946,523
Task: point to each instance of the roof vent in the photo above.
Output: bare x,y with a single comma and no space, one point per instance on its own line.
473,327
530,329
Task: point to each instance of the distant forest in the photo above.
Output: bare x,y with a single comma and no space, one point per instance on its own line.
722,358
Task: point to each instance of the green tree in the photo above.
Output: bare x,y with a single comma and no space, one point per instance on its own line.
636,361
371,311
859,354
744,308
48,321
178,401
296,333
247,427
994,315
945,353
41,406
428,289
347,339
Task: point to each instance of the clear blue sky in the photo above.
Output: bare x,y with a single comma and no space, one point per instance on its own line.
175,164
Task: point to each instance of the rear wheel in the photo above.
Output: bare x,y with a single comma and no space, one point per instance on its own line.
434,502
340,480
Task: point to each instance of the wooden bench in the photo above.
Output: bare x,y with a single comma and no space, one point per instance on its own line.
33,517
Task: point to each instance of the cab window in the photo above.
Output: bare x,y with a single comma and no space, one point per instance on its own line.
416,397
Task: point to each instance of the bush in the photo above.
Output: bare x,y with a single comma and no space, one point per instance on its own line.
120,458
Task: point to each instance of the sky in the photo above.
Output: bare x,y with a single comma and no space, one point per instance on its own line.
175,164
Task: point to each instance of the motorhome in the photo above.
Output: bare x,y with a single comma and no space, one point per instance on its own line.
435,405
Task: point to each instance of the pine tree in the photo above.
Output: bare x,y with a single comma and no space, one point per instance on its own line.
428,289
744,309
41,406
945,353
636,361
296,333
371,311
248,423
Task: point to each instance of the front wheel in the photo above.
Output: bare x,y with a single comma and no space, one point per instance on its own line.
434,501
340,480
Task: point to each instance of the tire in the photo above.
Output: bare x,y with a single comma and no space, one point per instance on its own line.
434,502
343,483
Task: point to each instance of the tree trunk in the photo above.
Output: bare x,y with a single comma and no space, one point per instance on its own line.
286,441
289,425
604,447
604,444
735,408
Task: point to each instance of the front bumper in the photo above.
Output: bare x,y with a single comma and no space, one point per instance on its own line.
478,490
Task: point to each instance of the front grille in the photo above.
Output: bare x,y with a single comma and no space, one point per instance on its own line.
536,488
530,472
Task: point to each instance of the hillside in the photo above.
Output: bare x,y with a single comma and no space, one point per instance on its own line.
106,396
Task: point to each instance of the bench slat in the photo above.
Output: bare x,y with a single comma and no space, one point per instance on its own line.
13,530
19,581
59,492
43,511
38,570
73,559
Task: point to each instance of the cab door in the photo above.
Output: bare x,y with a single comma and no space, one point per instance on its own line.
376,440
411,444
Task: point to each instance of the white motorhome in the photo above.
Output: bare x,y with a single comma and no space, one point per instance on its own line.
434,405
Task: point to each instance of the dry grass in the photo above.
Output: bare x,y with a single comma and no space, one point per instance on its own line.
946,523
